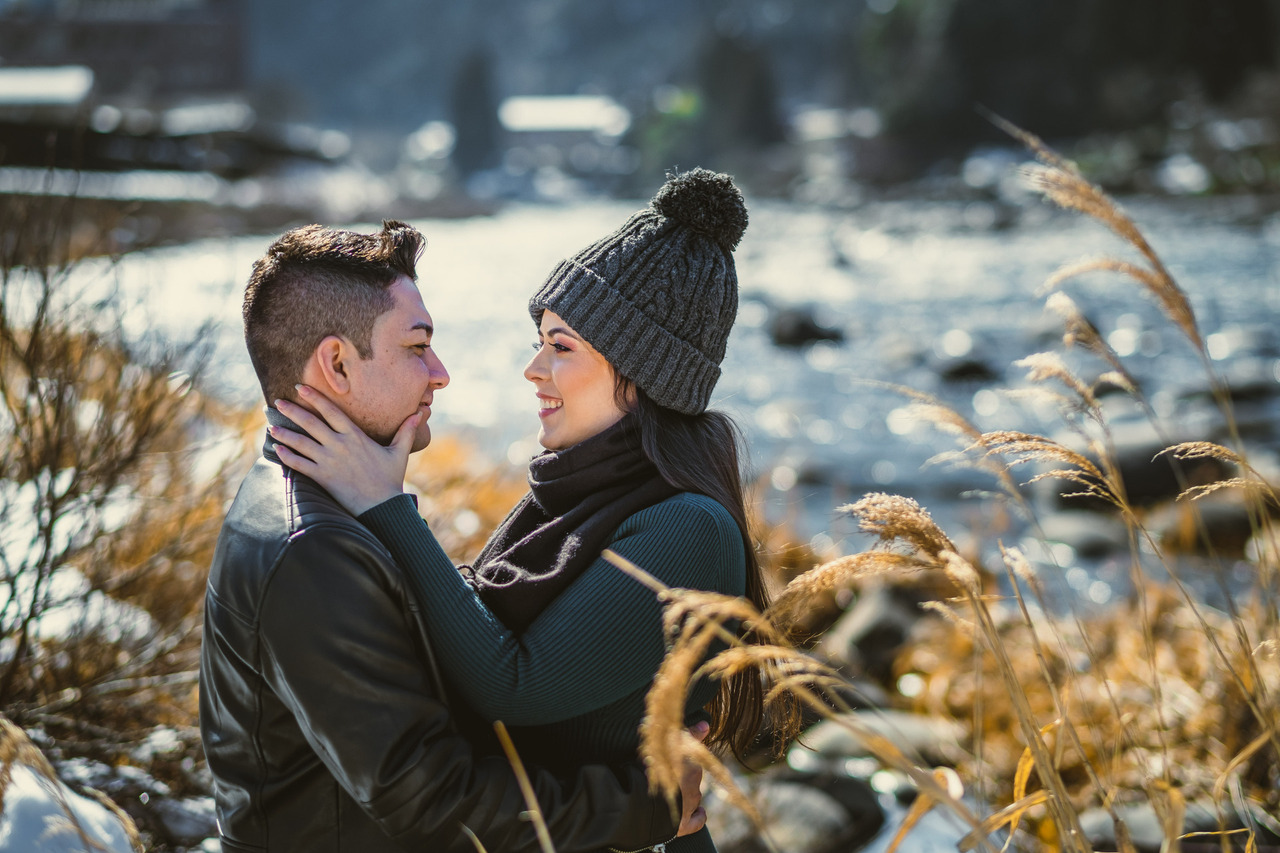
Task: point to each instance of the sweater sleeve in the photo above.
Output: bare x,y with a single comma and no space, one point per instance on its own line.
599,640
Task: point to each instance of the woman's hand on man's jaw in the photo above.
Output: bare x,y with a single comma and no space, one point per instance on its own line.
333,451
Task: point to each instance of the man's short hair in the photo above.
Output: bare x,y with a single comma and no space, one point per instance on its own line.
314,282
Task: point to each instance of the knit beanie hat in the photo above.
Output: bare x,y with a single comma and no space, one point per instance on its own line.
658,297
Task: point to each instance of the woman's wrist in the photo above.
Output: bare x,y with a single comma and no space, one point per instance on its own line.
389,508
359,504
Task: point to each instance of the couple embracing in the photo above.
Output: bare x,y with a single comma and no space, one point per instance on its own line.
350,671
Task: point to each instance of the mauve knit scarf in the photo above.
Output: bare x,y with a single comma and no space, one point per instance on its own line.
578,497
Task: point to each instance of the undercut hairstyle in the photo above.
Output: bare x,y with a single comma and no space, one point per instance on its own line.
314,282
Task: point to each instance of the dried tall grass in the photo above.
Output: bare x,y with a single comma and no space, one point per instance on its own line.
111,492
1161,699
17,750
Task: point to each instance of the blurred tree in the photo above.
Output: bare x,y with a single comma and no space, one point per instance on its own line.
740,94
473,109
1064,69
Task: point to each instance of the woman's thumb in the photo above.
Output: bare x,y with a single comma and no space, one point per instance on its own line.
403,441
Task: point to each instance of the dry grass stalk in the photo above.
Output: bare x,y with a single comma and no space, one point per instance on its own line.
1061,182
1028,447
790,606
534,812
1252,482
1063,185
697,620
1212,734
17,749
694,621
1078,331
896,518
1045,366
924,803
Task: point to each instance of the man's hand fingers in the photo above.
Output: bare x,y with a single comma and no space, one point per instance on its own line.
700,730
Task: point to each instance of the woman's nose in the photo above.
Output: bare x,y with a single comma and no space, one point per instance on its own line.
536,369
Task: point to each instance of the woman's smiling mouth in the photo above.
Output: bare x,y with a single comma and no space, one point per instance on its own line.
548,405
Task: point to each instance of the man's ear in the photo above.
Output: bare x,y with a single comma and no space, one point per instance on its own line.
330,364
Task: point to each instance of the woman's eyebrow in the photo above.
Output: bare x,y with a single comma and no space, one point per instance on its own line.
561,330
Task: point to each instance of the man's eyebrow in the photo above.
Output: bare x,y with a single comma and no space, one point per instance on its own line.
424,326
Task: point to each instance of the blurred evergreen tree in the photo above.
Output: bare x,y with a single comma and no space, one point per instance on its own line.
473,109
1063,68
739,94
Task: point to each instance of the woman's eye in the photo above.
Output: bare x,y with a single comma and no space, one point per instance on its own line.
561,348
537,345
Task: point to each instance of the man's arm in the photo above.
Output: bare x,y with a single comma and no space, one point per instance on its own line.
338,652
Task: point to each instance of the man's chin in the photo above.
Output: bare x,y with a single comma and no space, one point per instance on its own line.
421,438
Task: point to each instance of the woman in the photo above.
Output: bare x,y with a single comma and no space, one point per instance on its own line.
543,633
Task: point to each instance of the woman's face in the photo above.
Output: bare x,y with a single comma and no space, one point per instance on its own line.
574,384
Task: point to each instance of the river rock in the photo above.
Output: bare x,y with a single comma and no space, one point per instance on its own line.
933,739
1227,527
795,326
1145,829
1089,535
965,369
866,639
36,812
814,815
173,820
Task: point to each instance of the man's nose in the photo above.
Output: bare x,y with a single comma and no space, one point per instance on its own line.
439,375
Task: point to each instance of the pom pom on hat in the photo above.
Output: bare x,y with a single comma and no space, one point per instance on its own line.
707,202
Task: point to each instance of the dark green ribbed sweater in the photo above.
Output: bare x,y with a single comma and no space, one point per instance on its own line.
571,688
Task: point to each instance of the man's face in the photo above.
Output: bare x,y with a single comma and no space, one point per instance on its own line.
404,372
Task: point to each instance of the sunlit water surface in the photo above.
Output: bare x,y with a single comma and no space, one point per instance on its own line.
918,289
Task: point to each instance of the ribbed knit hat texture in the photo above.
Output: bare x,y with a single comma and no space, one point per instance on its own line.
658,297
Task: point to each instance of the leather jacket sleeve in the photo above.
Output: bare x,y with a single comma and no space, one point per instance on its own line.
338,650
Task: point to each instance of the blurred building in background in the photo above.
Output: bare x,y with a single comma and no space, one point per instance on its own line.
794,96
138,50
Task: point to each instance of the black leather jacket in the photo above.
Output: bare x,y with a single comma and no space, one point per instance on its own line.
324,725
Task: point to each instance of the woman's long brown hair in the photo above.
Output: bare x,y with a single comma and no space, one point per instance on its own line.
700,453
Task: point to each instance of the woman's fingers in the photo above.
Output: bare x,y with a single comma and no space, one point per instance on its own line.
314,425
328,409
298,442
295,460
402,444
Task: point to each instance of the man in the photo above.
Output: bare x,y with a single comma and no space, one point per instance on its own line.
325,723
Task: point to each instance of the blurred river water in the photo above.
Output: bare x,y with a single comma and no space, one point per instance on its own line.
941,297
